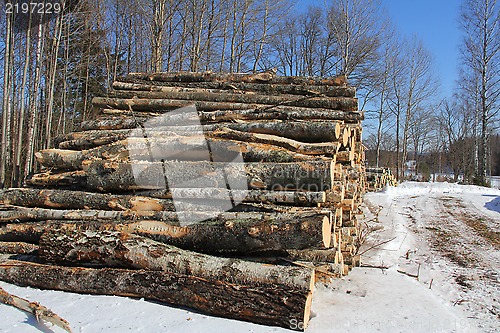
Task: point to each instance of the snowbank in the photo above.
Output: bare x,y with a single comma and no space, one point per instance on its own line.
418,188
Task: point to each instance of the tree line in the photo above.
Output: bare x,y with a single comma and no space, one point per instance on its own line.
53,65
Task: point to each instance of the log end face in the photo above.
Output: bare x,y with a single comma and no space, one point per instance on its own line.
337,130
307,309
327,232
322,197
331,176
340,80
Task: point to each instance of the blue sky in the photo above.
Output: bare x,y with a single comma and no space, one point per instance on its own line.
435,22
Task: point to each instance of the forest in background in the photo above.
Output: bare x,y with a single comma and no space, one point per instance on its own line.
52,66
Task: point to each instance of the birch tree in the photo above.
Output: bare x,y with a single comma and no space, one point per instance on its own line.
480,22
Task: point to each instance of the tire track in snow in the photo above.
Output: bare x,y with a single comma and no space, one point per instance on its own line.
460,235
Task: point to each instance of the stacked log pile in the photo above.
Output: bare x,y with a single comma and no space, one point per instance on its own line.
97,226
378,178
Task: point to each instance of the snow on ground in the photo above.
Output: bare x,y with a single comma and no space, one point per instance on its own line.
495,181
446,234
449,235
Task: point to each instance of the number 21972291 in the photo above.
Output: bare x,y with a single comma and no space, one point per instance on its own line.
33,8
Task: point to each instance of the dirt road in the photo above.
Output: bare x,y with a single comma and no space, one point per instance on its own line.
449,238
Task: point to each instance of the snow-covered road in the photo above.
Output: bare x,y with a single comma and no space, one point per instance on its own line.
446,234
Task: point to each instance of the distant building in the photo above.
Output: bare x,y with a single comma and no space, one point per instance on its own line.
411,165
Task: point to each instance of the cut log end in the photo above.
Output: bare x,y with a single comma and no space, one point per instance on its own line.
307,309
327,232
337,130
133,232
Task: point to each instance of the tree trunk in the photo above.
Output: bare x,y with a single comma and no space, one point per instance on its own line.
17,247
304,176
5,154
269,305
193,148
32,231
119,177
310,132
32,136
259,196
164,105
18,171
245,236
112,123
72,179
119,249
265,77
239,232
93,139
313,100
315,255
213,102
147,200
108,176
237,87
323,148
124,119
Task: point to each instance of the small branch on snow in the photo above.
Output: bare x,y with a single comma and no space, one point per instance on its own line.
377,245
410,251
39,311
375,266
411,275
459,301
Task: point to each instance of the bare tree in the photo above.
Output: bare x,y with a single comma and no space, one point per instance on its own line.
413,86
35,101
356,26
22,109
56,42
420,87
157,29
6,104
454,121
480,20
385,69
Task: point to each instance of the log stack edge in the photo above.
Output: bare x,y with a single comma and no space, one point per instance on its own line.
86,224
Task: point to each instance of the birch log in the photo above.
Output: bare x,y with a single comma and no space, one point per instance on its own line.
265,77
17,247
312,131
237,87
109,176
269,305
123,119
244,232
187,148
150,101
147,200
